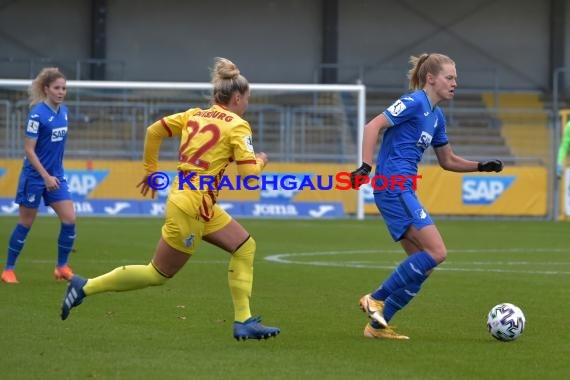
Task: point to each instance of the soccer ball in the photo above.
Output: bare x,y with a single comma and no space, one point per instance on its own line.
506,322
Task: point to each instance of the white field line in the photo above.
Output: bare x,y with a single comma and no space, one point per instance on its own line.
505,266
474,266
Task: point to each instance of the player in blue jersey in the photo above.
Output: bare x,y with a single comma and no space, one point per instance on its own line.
42,173
410,125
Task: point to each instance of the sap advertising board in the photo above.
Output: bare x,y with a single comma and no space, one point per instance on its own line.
273,203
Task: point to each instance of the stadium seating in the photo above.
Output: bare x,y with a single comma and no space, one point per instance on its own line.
524,124
289,126
474,132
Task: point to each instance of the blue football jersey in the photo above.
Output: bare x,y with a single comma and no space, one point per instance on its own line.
49,128
416,126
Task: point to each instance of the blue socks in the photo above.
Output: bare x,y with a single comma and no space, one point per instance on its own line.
16,244
399,299
410,271
18,237
65,243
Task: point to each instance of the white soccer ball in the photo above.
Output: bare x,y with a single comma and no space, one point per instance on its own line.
506,322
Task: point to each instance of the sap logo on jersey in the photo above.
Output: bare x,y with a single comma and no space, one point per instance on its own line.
479,190
425,140
57,134
82,182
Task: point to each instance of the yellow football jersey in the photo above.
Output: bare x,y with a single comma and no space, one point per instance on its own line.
209,140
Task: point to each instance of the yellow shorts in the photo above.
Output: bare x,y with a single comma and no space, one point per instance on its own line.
184,232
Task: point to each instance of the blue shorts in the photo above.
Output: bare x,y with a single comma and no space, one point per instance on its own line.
31,191
400,211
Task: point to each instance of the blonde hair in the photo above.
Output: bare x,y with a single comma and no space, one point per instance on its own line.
424,64
226,80
45,78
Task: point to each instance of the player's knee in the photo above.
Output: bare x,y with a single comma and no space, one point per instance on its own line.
27,225
65,212
252,244
67,216
68,220
439,254
27,221
155,276
246,248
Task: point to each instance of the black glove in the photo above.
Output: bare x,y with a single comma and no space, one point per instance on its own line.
490,166
363,170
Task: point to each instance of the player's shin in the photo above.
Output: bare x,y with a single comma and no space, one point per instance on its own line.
16,244
129,277
240,279
413,270
65,243
399,299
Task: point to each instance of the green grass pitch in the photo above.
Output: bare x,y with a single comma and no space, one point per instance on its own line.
309,276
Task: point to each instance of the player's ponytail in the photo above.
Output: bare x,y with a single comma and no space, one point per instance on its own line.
424,64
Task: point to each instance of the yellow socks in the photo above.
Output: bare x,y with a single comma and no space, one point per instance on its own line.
131,277
240,279
125,278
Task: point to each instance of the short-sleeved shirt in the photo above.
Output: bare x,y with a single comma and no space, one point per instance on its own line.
416,126
209,140
49,128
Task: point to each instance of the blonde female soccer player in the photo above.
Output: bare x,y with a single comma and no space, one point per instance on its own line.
411,125
42,175
209,140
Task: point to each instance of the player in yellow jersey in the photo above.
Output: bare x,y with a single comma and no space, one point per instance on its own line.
209,140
